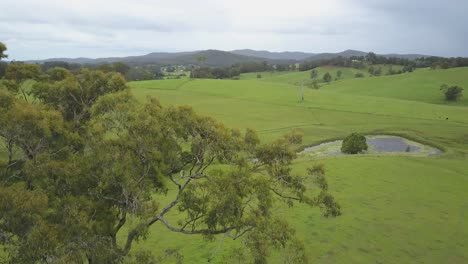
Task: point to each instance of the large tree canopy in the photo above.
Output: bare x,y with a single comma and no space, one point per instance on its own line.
83,156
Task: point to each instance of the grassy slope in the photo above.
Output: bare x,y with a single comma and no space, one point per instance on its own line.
396,209
422,85
297,77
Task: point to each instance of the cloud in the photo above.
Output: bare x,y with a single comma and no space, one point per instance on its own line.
48,28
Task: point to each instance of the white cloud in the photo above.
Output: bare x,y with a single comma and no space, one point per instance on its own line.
47,28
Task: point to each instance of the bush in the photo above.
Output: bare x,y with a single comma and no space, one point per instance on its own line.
295,136
313,84
359,75
408,148
452,93
327,77
354,143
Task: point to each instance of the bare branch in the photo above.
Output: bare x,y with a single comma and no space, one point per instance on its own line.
285,196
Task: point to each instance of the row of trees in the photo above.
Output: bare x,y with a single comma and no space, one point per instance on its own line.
134,73
236,70
442,63
357,62
360,62
215,73
327,77
87,169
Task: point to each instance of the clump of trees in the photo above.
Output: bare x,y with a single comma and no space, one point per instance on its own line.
357,62
313,74
215,73
375,71
74,67
234,71
354,143
85,157
360,62
253,67
339,73
451,93
327,77
359,75
442,63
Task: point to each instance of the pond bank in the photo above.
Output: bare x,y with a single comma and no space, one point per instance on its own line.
378,144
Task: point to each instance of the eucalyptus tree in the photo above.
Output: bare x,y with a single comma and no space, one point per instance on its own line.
67,195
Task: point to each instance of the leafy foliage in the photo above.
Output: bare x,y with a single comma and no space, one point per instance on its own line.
73,95
359,75
339,73
452,93
354,143
327,77
85,157
313,74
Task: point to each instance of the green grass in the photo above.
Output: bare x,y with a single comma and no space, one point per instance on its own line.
274,108
392,213
297,77
396,209
422,85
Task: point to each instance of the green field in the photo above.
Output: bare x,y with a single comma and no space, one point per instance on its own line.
396,209
298,76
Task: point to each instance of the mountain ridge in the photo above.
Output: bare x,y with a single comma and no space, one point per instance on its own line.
219,58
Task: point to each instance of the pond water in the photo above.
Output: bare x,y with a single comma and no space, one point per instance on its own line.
380,144
390,144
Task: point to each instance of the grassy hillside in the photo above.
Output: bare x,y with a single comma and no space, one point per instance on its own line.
395,209
422,85
297,76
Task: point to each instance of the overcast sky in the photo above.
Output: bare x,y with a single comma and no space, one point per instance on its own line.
101,28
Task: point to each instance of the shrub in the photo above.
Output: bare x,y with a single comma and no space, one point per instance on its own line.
354,143
295,136
452,93
327,77
359,75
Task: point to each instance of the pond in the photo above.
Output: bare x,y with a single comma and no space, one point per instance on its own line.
379,144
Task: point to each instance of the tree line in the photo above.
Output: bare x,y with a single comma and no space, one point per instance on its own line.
131,73
234,71
360,62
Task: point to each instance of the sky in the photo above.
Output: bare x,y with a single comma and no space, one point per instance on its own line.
34,29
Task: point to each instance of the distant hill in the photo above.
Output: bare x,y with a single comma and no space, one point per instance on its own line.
327,56
154,57
218,58
213,58
285,55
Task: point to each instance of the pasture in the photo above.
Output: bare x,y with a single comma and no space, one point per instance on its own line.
396,209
